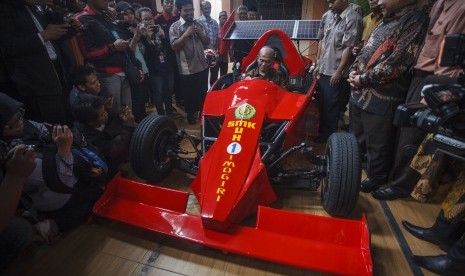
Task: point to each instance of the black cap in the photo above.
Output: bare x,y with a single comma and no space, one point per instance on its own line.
123,6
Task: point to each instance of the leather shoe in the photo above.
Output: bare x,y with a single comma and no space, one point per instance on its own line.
439,264
369,185
388,194
426,234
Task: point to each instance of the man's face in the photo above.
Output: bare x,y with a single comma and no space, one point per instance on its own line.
243,15
102,117
15,126
100,5
206,9
252,15
147,18
168,6
389,6
222,20
337,6
265,61
112,4
374,5
92,85
187,12
129,16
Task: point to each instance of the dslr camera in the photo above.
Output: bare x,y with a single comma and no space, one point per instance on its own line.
444,114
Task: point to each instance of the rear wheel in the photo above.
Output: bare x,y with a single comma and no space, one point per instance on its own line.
341,185
151,148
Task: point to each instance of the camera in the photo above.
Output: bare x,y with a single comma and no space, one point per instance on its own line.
120,16
154,28
444,114
6,148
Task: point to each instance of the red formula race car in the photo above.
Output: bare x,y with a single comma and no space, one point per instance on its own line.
248,128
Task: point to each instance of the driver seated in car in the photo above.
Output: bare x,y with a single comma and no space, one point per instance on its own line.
265,70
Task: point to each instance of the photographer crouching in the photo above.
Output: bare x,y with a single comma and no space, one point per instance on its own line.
52,190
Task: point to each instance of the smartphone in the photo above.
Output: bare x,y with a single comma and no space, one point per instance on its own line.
120,16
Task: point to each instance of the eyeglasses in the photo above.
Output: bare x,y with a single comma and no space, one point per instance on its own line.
18,119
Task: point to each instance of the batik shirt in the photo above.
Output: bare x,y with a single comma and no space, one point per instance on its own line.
213,31
385,61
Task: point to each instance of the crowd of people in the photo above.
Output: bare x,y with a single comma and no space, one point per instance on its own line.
76,78
89,72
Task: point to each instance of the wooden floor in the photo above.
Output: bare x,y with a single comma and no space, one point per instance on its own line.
108,248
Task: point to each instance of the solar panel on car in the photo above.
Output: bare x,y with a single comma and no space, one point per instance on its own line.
295,29
307,29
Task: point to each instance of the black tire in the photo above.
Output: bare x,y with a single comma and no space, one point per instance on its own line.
341,185
150,143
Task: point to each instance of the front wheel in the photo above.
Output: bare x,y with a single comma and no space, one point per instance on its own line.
151,148
341,185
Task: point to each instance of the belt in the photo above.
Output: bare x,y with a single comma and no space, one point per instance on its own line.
421,73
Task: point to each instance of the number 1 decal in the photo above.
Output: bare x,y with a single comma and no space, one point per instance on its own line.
234,148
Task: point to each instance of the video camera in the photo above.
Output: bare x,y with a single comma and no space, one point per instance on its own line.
444,114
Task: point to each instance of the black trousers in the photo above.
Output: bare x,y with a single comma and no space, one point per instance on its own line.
377,133
139,95
332,100
407,136
194,89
